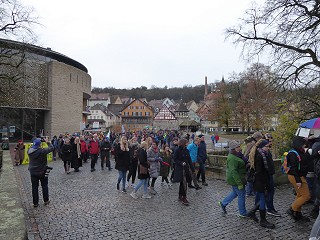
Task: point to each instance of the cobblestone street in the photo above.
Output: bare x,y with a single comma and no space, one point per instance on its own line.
86,205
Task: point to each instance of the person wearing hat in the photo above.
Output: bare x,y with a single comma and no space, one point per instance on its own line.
261,161
236,177
38,167
201,159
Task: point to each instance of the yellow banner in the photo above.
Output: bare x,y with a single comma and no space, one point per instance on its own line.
29,145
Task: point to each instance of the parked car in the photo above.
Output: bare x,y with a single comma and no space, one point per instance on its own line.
5,143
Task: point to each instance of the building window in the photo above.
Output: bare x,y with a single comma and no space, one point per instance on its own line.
139,113
134,114
147,114
101,117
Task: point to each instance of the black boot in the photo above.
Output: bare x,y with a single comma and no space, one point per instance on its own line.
300,217
292,214
263,221
252,213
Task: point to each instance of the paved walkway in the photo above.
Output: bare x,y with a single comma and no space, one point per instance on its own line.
86,205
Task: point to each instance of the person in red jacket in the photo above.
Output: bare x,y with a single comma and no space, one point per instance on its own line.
94,149
84,149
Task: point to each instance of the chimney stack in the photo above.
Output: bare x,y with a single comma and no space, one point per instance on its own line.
205,86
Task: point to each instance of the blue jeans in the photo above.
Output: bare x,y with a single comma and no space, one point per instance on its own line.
249,188
122,176
261,200
202,172
270,195
310,182
35,185
143,182
241,194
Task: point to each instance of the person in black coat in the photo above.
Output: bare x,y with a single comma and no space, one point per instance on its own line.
182,164
122,162
133,148
105,149
76,154
261,160
66,152
143,173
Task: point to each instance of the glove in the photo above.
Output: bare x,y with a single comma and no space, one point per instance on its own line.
240,187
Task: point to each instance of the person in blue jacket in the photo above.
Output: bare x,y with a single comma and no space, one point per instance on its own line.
193,151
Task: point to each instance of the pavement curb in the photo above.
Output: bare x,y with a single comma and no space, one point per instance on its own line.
12,221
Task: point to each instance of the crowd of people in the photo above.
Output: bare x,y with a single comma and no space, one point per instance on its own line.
148,156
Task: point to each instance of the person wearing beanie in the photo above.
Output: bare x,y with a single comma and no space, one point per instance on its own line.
236,177
297,177
38,167
260,160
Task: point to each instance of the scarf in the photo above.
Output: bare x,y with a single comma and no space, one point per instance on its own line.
78,150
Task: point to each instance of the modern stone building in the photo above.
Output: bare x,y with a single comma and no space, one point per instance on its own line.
41,91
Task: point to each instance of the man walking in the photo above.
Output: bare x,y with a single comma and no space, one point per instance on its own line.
201,159
38,169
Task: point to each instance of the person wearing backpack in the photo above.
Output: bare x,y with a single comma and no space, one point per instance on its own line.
298,168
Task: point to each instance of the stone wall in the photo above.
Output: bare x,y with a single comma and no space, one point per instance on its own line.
66,85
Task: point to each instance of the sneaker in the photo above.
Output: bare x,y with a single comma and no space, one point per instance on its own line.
191,186
47,202
124,190
92,170
127,184
170,184
35,205
146,196
152,191
274,213
118,186
132,185
242,216
198,187
205,184
134,195
224,210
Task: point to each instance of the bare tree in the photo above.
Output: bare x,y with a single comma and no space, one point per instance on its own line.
16,21
288,30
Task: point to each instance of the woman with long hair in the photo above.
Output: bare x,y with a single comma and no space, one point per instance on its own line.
261,161
76,154
166,154
143,173
122,162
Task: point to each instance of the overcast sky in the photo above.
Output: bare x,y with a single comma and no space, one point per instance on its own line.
133,43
